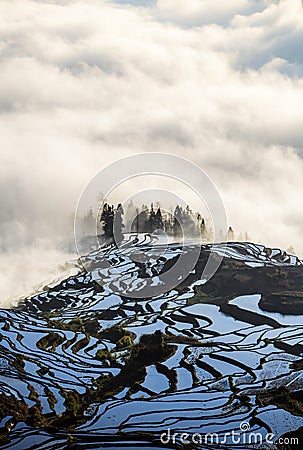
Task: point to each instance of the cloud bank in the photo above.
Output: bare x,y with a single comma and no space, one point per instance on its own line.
85,83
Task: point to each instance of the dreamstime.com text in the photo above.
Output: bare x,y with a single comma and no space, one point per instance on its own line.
243,436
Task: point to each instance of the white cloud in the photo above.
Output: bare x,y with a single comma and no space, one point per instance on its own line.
84,83
197,12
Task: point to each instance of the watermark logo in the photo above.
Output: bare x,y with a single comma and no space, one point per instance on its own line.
135,262
242,436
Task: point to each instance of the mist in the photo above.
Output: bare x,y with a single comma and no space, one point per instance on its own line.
86,83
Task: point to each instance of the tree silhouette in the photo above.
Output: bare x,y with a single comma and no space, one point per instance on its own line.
188,222
291,250
178,219
107,220
182,221
203,229
141,222
89,222
112,222
151,219
168,224
118,224
130,216
230,234
158,220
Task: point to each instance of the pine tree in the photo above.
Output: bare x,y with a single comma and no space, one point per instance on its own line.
230,234
140,222
135,223
107,220
203,229
130,217
291,250
178,220
89,223
169,224
152,219
118,224
188,222
158,220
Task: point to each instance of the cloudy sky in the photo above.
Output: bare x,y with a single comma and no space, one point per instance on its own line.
83,83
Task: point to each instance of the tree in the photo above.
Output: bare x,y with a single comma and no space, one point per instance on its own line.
168,224
144,219
135,223
203,229
112,222
158,220
178,220
118,224
230,234
151,219
189,225
107,220
140,223
130,216
89,223
291,250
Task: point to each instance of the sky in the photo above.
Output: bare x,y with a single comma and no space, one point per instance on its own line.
83,84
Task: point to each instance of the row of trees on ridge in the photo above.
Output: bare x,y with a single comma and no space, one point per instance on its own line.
114,222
